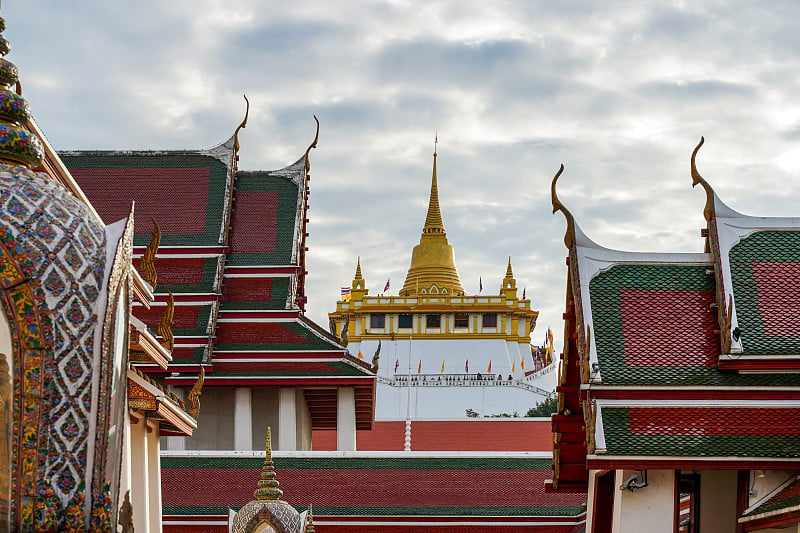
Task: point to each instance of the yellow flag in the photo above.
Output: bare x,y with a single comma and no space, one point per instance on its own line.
442,366
513,365
522,362
360,355
489,370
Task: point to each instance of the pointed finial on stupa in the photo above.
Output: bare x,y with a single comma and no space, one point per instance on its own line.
509,273
433,220
19,146
268,484
358,269
309,520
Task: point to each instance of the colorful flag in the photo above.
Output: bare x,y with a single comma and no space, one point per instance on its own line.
522,362
386,288
419,368
360,355
480,284
523,292
396,365
345,294
466,366
489,370
513,366
442,370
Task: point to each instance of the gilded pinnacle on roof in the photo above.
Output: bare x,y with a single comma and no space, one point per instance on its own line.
509,272
358,269
433,265
18,146
309,528
268,485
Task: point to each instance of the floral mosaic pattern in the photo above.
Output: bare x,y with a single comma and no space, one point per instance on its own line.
281,516
48,238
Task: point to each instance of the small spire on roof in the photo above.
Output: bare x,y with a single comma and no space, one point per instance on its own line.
309,528
509,273
20,146
358,269
433,220
268,484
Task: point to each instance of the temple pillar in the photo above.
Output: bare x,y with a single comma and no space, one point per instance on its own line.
139,482
287,419
154,474
346,419
243,423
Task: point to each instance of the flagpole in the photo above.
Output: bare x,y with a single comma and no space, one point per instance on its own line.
407,446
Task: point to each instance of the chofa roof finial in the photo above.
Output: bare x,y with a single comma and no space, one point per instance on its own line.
708,210
569,235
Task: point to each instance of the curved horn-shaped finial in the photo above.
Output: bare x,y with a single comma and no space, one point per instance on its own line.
239,127
313,144
148,264
708,210
569,235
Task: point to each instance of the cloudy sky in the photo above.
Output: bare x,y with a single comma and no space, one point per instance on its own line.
619,92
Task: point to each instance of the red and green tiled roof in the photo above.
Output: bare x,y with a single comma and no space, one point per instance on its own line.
702,431
185,275
264,219
255,336
255,293
183,191
189,320
279,368
372,486
765,272
655,324
785,500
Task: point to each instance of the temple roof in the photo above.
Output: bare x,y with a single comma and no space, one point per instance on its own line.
381,486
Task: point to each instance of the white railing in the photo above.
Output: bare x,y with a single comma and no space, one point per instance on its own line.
461,380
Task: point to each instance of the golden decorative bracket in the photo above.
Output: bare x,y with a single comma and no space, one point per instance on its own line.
148,264
165,326
194,395
312,145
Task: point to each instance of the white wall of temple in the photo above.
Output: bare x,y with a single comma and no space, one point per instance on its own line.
718,500
452,402
346,419
459,355
154,475
651,508
140,480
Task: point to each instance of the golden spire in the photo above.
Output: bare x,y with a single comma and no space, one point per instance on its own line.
358,269
433,265
509,286
268,485
433,221
509,273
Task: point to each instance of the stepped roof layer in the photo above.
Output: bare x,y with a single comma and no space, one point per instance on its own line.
229,249
779,509
505,435
681,356
383,489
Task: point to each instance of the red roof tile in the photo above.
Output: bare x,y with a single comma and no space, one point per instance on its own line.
254,223
778,297
247,289
449,435
178,209
244,332
668,327
185,316
711,421
177,271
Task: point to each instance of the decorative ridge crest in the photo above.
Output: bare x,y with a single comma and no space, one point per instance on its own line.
569,234
312,145
268,484
236,133
708,210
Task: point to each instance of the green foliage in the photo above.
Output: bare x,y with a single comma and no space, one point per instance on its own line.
471,413
545,408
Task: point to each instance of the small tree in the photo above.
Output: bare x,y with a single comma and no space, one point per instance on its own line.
471,413
545,408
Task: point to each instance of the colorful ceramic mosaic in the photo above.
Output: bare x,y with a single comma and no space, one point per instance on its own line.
50,238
